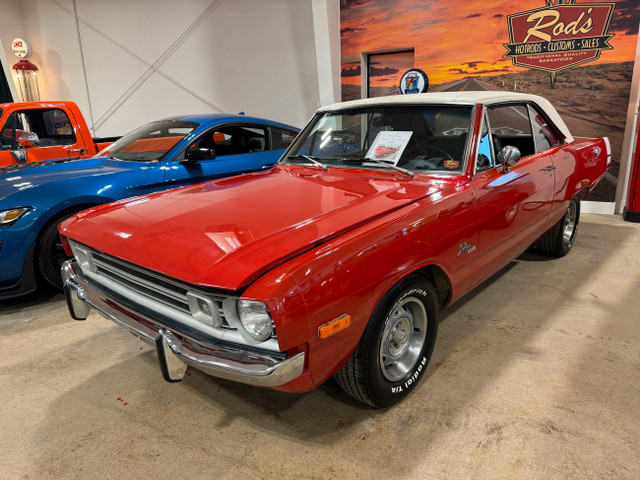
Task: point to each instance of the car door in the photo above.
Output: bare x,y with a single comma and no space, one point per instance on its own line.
514,202
235,149
31,135
563,162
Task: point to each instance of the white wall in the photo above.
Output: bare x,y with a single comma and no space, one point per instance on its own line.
148,59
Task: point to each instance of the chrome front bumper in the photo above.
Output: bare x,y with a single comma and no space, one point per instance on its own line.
175,349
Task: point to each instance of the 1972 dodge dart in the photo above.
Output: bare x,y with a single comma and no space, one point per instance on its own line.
334,262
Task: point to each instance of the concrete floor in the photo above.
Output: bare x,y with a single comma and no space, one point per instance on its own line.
534,375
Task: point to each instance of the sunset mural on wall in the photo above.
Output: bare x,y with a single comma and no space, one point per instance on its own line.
452,40
461,45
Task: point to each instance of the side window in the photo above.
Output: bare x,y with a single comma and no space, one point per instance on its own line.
543,135
485,159
281,138
16,125
52,127
510,126
234,140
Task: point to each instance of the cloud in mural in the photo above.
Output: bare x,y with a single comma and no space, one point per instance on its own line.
346,4
462,71
382,71
347,31
350,71
625,17
474,64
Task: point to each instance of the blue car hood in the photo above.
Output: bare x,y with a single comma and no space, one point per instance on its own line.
18,178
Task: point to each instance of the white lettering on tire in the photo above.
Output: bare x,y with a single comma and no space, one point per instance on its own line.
412,379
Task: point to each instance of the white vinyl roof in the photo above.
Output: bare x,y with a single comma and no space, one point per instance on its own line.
461,98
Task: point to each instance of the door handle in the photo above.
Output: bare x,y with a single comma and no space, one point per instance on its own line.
548,168
74,150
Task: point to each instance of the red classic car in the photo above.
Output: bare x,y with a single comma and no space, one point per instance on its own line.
333,263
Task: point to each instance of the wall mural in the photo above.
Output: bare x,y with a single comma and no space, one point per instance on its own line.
579,55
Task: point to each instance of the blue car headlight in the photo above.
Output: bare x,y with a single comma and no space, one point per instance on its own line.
9,217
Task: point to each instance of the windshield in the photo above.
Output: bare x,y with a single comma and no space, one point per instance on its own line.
150,142
418,138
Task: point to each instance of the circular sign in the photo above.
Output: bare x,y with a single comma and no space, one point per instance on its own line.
21,48
414,81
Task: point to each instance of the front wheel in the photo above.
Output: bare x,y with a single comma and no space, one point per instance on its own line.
396,346
558,241
50,254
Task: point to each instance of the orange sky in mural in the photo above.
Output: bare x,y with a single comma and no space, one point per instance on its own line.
453,39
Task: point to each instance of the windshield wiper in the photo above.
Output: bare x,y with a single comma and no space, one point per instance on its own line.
311,159
384,164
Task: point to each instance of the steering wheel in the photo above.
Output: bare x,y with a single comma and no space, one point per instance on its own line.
424,151
439,157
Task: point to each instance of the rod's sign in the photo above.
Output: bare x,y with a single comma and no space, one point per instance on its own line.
561,35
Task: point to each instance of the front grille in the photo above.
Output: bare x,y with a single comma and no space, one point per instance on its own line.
182,307
152,285
142,282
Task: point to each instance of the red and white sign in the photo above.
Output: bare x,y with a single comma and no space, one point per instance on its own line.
21,48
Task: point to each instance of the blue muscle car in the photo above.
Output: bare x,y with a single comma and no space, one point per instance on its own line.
35,198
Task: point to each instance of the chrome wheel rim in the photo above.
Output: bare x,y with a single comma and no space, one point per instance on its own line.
403,338
569,223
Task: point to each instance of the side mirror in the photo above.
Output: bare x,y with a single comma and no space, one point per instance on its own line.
29,139
196,154
510,156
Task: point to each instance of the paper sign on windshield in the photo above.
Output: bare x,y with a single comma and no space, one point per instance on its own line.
388,146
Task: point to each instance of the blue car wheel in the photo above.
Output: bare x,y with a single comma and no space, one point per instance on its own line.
50,254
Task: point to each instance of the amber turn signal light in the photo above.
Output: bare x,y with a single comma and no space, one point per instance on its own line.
334,326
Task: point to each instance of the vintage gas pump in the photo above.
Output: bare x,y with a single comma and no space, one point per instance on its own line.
26,72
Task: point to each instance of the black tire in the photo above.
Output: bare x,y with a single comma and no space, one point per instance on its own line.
558,241
396,346
49,252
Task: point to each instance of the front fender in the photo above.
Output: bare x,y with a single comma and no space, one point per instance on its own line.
17,252
17,240
351,273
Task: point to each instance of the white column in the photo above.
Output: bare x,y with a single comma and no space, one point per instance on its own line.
326,27
629,139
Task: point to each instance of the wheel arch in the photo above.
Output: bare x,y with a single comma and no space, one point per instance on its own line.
440,281
53,212
47,232
584,193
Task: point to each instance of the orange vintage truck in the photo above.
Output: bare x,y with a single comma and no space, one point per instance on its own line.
34,131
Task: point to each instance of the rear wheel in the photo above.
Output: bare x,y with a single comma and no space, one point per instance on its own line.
396,346
558,241
50,254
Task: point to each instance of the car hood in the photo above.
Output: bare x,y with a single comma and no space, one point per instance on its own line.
226,233
19,178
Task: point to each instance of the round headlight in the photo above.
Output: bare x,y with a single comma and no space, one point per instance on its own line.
256,319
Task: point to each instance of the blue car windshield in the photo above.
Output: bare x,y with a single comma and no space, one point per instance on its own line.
151,142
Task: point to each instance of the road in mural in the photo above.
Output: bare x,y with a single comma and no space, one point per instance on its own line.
472,45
